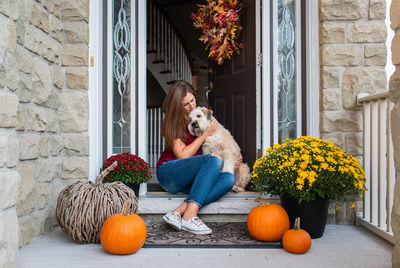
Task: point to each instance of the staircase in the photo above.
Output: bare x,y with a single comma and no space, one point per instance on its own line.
168,57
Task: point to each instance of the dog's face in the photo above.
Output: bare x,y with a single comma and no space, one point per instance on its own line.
199,120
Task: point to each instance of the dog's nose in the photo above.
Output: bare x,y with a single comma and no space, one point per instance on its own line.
195,124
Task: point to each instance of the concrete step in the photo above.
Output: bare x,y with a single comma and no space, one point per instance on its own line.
233,207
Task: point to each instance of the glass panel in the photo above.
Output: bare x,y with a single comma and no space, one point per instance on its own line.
121,45
287,106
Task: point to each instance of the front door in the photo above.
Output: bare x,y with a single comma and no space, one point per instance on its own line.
233,94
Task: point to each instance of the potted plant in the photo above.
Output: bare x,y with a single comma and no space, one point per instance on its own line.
306,173
131,170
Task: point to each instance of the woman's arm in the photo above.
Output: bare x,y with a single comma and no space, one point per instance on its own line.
181,150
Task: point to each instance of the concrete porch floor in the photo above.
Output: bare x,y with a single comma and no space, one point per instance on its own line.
341,246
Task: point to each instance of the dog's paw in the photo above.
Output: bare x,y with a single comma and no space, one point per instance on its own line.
237,189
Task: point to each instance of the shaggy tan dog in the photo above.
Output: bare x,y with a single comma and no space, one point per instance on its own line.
221,143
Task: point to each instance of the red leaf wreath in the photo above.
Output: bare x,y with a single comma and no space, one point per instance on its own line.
219,23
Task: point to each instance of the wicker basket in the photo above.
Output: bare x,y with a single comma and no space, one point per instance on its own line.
82,207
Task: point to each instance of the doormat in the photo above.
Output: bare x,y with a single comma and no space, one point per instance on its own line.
224,235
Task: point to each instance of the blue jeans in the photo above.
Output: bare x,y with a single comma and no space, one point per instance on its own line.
199,176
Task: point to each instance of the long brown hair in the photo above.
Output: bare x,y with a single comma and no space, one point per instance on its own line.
174,123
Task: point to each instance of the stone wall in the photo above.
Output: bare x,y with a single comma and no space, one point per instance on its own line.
352,58
44,113
394,88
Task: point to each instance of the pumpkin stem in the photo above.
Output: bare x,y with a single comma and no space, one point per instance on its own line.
105,172
262,200
297,224
126,209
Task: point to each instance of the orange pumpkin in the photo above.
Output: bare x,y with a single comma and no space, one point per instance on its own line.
296,240
123,233
267,222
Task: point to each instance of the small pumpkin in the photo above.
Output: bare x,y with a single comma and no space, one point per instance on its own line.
123,233
267,222
296,240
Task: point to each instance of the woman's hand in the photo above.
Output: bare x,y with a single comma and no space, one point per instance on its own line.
212,128
238,161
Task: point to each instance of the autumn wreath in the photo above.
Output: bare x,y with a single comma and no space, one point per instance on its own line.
219,23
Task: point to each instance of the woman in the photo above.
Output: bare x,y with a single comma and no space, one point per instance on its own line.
183,168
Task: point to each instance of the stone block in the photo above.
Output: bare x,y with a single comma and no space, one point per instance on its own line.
25,229
340,212
43,194
55,188
57,76
42,83
53,6
75,55
44,145
341,121
77,32
3,258
41,220
20,21
35,118
343,9
73,112
394,86
52,122
75,168
51,49
12,79
375,55
12,36
12,236
29,145
77,78
33,39
24,60
394,15
76,145
26,170
8,110
39,17
377,9
56,28
361,80
24,88
21,118
75,10
354,144
56,145
3,149
27,205
332,32
330,78
47,169
341,56
2,237
331,99
395,128
12,150
10,182
336,138
396,49
366,32
9,8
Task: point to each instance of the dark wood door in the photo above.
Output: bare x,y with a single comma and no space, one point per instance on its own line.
233,95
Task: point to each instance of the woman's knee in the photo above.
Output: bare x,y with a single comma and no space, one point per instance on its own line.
217,155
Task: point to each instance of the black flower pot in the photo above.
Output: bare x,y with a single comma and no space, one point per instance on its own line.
313,214
135,187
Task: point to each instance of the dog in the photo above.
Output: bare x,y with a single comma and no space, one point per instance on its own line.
221,143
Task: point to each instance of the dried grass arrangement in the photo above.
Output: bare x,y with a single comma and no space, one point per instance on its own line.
82,207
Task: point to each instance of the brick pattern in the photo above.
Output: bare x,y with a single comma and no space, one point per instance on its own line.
353,58
44,143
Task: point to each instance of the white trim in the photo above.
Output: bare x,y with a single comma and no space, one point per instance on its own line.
312,67
265,77
142,85
388,236
275,73
109,77
299,77
258,76
133,80
95,89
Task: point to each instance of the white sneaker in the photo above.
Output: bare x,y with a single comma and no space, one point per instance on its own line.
195,226
174,220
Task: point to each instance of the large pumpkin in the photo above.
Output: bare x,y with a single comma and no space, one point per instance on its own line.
82,207
296,240
267,222
123,233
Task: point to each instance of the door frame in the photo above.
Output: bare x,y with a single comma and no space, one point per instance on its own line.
139,129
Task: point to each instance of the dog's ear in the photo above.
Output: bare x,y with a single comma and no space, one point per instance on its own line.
207,112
